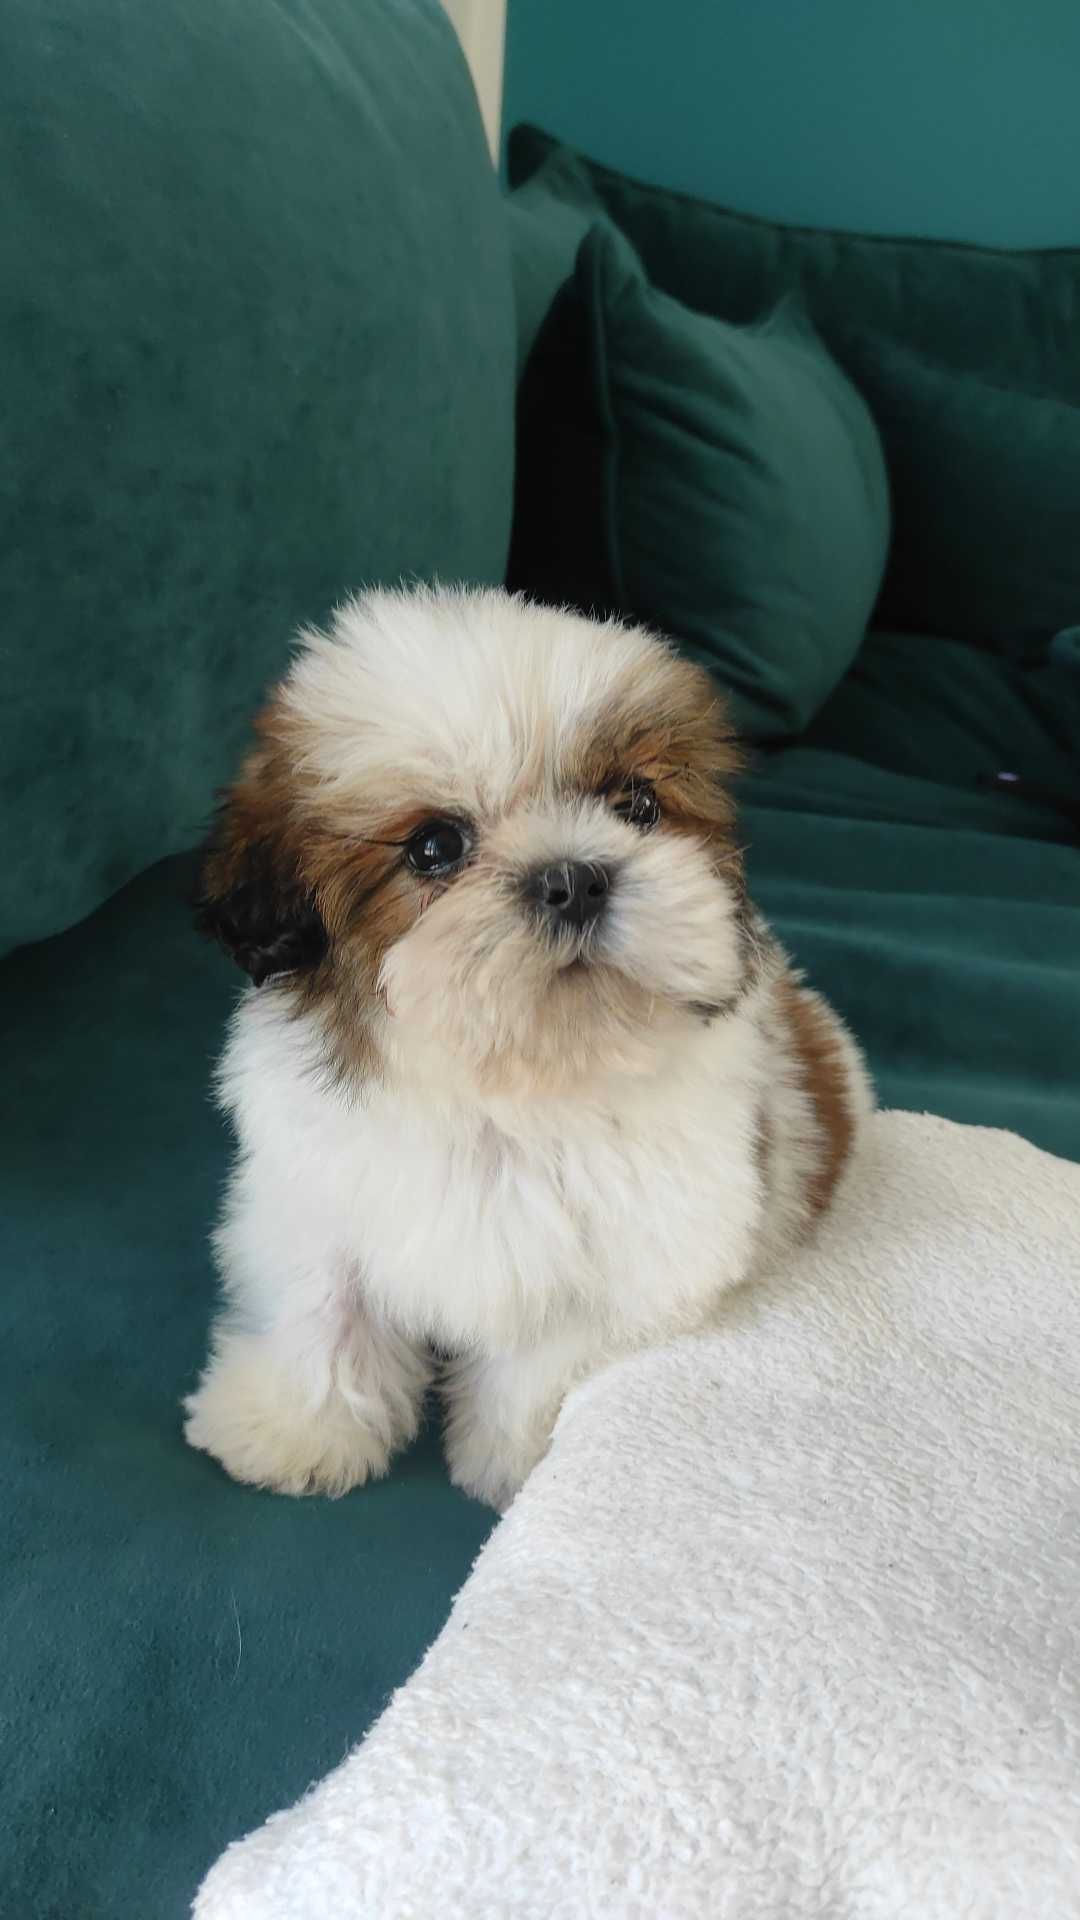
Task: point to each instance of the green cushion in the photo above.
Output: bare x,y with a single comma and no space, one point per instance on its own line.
948,944
258,346
545,234
986,531
745,503
950,713
978,414
943,916
182,1655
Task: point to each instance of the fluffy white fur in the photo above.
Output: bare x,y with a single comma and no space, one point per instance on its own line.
548,1166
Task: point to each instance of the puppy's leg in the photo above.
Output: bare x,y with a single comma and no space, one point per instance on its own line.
501,1410
314,1402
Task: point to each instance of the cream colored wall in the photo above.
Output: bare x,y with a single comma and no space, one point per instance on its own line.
481,28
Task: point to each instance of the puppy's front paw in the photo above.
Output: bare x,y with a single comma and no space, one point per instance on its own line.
256,1424
485,1462
486,1482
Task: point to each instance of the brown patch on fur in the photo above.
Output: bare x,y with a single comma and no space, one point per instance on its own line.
824,1074
368,900
279,875
669,726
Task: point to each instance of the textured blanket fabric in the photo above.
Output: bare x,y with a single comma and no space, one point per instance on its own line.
787,1622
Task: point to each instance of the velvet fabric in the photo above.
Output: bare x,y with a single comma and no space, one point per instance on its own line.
966,355
985,482
745,507
258,349
999,312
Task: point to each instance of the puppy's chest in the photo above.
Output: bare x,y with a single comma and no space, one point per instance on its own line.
477,1235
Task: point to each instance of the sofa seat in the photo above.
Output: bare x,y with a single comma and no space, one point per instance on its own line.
184,1655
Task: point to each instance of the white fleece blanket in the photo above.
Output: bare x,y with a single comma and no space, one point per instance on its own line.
787,1625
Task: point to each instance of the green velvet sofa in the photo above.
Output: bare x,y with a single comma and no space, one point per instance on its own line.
271,331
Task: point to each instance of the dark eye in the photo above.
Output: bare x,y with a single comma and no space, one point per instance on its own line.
639,805
437,846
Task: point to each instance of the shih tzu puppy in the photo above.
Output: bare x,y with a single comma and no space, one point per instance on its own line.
521,1082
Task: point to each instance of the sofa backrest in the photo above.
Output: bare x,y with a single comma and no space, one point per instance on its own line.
967,357
258,350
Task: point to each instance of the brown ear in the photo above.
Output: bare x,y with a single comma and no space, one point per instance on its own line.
253,898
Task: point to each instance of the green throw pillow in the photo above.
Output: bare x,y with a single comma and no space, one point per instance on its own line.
745,499
986,541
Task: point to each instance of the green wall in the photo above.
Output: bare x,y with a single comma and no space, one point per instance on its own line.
955,118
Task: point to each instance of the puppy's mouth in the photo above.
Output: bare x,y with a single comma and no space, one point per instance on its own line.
577,968
570,944
574,967
576,954
584,959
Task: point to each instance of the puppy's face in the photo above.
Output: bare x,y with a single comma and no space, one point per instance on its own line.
490,843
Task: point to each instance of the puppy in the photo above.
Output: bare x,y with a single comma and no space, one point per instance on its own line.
520,1076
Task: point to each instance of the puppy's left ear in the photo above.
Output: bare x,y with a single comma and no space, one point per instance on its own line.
252,896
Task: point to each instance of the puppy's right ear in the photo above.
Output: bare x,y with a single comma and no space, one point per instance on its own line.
252,897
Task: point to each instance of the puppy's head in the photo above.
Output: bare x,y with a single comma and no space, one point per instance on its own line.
489,843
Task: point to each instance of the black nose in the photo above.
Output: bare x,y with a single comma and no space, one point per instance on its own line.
570,893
